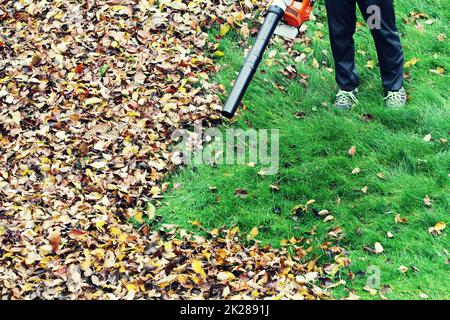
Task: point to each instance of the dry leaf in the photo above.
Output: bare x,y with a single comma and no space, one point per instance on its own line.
381,175
253,233
403,269
399,219
411,62
352,151
437,229
370,64
323,213
427,138
198,268
427,201
378,248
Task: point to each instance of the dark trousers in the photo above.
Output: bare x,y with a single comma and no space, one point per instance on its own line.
342,24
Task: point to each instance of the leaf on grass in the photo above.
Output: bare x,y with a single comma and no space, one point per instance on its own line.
411,62
150,210
335,232
437,228
323,213
427,201
253,233
378,248
439,71
403,269
241,193
352,151
224,29
218,54
370,64
381,176
399,219
315,64
427,138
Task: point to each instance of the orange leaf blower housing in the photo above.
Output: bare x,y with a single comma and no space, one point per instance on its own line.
298,12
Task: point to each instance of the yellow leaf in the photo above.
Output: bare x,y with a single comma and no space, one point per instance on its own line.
114,231
150,210
133,287
118,8
439,226
253,233
218,54
439,71
224,29
100,224
138,217
196,223
411,62
198,268
370,64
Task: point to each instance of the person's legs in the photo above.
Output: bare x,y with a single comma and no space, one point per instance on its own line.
342,23
380,16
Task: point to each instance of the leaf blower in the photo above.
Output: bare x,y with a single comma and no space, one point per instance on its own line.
293,14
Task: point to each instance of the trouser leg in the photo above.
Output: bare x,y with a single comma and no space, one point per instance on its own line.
380,16
341,24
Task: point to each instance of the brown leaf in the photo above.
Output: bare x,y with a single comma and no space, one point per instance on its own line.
241,193
335,232
427,201
399,219
352,151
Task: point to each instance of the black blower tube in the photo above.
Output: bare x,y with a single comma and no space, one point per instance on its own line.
252,60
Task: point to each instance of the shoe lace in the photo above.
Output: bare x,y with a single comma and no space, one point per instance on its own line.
345,97
394,97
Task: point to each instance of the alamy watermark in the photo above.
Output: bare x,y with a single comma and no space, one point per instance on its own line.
230,146
373,277
374,17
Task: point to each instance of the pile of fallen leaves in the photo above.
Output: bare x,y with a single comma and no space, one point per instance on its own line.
90,92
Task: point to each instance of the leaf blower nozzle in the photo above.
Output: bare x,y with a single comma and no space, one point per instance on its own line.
274,16
294,13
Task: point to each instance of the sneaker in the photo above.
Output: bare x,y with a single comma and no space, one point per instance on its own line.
395,99
345,100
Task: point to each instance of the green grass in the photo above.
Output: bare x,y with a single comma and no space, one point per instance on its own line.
314,163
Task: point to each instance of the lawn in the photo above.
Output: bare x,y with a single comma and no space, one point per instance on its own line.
398,162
